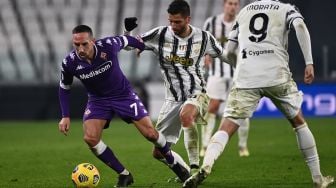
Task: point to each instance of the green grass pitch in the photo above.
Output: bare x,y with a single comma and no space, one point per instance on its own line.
35,154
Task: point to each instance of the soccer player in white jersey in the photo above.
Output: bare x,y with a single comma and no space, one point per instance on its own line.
220,76
180,48
262,70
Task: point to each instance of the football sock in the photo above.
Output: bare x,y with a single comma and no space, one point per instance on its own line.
215,148
243,132
191,144
106,155
307,146
208,129
162,145
177,159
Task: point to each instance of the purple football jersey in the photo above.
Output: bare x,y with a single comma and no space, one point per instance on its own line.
108,89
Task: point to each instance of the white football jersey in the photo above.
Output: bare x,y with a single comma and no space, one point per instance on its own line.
220,30
261,31
181,59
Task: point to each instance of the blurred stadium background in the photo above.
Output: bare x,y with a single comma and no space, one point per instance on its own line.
35,35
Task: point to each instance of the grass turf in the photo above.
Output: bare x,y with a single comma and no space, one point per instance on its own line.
35,154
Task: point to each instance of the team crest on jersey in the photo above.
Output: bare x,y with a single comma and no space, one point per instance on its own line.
103,56
196,49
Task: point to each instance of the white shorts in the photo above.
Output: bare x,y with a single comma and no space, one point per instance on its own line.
218,88
169,123
241,103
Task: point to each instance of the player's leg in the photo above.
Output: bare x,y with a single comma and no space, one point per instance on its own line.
188,115
240,105
288,100
162,148
243,132
193,113
208,129
92,136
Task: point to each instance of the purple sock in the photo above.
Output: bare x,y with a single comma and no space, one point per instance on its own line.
165,151
111,160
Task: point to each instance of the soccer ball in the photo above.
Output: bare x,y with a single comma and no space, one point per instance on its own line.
85,175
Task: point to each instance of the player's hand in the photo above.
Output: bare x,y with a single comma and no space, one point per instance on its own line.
130,23
64,125
309,74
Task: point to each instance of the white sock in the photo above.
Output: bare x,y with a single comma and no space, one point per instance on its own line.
215,148
161,141
307,146
99,148
191,144
125,172
243,132
207,130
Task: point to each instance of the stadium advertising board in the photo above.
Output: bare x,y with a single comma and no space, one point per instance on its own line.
318,100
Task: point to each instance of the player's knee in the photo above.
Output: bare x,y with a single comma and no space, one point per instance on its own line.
91,141
157,154
187,120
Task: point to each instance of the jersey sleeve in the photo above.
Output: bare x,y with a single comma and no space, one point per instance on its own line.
151,38
207,25
213,48
64,89
117,42
66,76
292,14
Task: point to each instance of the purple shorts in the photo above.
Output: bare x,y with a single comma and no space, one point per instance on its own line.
129,108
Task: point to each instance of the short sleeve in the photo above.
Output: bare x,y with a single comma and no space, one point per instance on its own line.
214,49
151,38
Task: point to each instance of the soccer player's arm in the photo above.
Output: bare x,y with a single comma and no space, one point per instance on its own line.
295,20
121,42
64,98
215,50
64,89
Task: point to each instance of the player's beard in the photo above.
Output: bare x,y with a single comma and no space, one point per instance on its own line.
182,30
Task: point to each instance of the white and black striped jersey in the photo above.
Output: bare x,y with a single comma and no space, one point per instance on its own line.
261,31
220,30
181,59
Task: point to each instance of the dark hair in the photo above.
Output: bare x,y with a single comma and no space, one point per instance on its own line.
179,7
82,29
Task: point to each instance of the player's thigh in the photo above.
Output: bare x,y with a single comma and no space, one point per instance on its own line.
241,103
287,98
200,103
168,122
93,128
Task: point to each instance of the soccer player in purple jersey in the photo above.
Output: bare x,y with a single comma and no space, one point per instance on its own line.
96,65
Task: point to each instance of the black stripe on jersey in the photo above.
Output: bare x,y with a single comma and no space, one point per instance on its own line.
161,43
222,44
203,47
213,44
213,22
236,41
207,27
187,56
178,74
213,32
150,36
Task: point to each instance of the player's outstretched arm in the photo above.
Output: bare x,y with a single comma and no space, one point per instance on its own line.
303,37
